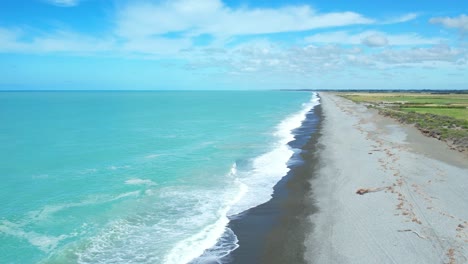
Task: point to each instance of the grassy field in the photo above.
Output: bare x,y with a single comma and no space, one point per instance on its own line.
450,105
443,116
450,112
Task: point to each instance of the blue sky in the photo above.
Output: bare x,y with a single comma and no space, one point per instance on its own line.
245,44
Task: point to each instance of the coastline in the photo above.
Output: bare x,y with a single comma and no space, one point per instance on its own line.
413,209
274,232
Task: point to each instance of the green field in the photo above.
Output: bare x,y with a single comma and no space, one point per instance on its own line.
450,105
444,116
410,98
450,112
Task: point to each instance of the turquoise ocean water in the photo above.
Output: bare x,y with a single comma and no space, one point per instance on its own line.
137,177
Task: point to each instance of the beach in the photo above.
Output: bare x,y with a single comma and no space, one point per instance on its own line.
412,206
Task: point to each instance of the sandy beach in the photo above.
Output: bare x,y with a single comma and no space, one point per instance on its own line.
414,206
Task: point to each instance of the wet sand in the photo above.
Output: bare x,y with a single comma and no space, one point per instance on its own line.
275,232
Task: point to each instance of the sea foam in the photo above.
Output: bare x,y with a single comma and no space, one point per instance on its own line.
269,168
45,243
189,249
254,188
202,228
137,181
142,237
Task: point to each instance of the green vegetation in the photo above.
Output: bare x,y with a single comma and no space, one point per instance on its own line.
443,116
405,98
450,112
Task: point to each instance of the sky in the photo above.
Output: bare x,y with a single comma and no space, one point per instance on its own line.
233,44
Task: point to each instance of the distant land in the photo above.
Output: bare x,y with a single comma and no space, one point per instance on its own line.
438,91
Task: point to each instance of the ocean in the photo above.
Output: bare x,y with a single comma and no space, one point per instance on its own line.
138,177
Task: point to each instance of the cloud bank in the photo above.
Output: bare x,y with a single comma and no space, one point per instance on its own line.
460,22
372,38
194,17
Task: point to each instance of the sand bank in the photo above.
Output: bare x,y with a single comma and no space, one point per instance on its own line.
417,210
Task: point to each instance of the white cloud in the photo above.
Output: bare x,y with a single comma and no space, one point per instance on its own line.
168,27
460,22
437,53
375,40
64,3
264,57
194,17
401,19
11,40
371,38
59,41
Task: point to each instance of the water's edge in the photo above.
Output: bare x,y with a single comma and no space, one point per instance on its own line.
274,232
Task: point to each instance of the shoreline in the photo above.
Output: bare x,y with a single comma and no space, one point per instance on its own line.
285,243
274,232
413,209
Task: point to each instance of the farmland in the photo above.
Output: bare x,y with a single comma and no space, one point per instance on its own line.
443,116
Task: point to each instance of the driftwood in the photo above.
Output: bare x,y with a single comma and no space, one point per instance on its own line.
411,230
363,191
